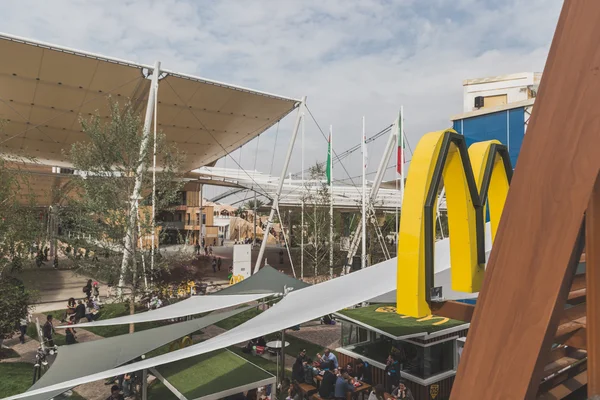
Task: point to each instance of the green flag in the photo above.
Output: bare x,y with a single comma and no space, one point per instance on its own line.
329,160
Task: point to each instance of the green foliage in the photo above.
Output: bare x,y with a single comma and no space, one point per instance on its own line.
14,303
99,202
20,224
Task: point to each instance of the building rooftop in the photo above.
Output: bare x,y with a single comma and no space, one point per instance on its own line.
385,320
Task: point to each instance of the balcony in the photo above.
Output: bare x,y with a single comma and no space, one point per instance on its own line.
177,225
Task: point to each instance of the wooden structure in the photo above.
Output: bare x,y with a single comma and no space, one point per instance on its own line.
521,311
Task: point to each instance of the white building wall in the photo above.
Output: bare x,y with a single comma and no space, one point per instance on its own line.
514,86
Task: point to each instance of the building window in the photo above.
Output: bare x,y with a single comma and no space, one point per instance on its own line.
203,219
188,218
425,362
353,334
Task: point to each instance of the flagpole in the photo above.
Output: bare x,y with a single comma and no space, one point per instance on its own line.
364,196
330,201
302,206
401,133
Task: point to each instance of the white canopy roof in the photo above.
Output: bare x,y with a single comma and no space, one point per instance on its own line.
344,196
45,89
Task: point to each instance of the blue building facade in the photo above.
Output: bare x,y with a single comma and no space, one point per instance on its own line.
506,125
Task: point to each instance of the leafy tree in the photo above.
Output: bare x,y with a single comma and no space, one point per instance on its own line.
20,228
108,238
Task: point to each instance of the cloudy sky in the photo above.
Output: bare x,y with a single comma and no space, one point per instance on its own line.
351,58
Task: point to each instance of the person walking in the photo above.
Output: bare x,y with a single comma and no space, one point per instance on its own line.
197,248
87,289
214,264
219,263
23,322
48,331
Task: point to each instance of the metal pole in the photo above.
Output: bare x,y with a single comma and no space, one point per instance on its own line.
302,206
401,133
282,354
275,204
286,243
331,201
315,238
364,196
387,153
129,243
141,239
200,215
154,181
145,384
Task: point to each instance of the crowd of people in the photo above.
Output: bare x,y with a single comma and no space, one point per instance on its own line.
337,382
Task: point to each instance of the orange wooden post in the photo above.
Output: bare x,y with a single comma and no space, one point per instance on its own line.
592,239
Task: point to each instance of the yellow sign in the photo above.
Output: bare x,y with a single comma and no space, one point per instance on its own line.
472,178
236,279
434,390
393,310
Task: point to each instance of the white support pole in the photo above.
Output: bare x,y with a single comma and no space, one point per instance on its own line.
330,201
364,196
387,153
129,241
154,182
141,240
286,242
275,204
302,207
401,133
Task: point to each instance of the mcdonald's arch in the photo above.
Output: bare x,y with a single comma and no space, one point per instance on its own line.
473,179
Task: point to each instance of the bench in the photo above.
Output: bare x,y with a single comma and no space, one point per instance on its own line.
307,389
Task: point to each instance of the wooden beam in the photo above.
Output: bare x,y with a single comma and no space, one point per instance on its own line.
573,314
538,243
565,388
454,310
578,282
592,239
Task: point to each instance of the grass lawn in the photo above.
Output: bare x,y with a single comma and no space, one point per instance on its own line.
210,373
108,311
16,378
8,353
388,321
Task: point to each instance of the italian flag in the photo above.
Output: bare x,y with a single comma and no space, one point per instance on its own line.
400,135
328,171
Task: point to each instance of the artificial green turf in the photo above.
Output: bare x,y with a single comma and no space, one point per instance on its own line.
16,378
238,319
395,324
211,373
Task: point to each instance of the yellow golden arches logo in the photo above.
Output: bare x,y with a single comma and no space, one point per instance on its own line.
180,344
472,178
393,310
236,279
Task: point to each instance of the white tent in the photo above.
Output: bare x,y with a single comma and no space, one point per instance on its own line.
46,88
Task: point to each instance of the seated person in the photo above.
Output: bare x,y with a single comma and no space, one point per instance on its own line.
402,392
310,372
378,393
327,387
349,370
249,346
261,342
90,312
79,311
71,305
70,336
363,372
343,386
327,319
327,356
285,389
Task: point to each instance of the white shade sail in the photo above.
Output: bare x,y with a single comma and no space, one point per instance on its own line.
45,89
295,308
191,306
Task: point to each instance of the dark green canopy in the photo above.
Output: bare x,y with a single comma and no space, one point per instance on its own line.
266,280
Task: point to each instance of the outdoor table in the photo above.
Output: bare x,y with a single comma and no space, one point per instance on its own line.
275,346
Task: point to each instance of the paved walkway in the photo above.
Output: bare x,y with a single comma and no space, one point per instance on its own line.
323,335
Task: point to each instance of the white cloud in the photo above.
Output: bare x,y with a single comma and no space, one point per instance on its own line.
351,58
